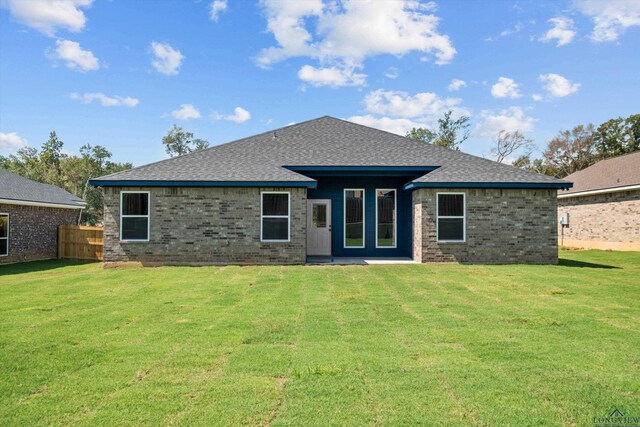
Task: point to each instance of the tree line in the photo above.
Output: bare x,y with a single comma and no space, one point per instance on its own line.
51,165
568,152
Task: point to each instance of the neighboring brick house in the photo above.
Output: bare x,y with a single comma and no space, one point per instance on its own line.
603,207
328,188
30,214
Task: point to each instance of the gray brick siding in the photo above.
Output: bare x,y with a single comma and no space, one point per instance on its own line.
208,225
502,226
33,231
611,217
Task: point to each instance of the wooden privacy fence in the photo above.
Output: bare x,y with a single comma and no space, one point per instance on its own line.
81,242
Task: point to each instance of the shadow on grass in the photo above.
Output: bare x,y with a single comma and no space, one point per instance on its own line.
37,266
573,263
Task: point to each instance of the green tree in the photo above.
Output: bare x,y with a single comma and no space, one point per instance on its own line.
25,162
535,165
618,136
71,172
178,142
450,133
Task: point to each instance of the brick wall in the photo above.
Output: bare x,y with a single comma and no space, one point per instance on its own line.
603,221
198,226
502,226
33,231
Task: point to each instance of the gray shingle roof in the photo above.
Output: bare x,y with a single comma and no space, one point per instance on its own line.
325,141
618,171
16,188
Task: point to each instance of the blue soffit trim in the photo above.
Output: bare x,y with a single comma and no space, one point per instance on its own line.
142,183
362,170
521,185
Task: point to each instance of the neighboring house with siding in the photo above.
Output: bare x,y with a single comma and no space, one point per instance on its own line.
328,188
603,207
30,213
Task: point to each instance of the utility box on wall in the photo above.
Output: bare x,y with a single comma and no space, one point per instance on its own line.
564,219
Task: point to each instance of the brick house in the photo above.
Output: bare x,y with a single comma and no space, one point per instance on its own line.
328,188
603,207
30,214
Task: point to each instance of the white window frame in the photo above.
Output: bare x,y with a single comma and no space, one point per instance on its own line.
464,217
8,232
344,218
288,216
148,215
395,218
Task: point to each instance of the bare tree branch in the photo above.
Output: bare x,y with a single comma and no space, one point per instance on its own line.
508,143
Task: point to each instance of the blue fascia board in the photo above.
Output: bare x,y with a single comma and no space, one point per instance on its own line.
520,185
362,168
321,171
139,183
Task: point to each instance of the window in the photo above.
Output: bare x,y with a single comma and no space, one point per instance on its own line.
319,215
386,218
4,234
354,218
134,216
451,217
275,217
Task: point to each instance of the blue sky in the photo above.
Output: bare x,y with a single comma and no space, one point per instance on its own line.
120,73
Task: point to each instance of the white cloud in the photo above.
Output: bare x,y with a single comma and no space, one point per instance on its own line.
399,112
509,31
344,34
186,112
558,86
505,88
536,97
510,120
74,56
217,7
392,73
167,60
240,115
456,84
47,16
106,101
331,76
394,125
11,141
563,31
427,106
610,17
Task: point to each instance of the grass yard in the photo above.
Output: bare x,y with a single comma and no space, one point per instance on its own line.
341,345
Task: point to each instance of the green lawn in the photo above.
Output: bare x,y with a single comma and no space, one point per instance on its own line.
350,345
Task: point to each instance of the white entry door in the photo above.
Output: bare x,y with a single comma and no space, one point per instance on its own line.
319,227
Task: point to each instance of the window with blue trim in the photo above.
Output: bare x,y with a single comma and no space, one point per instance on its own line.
354,218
